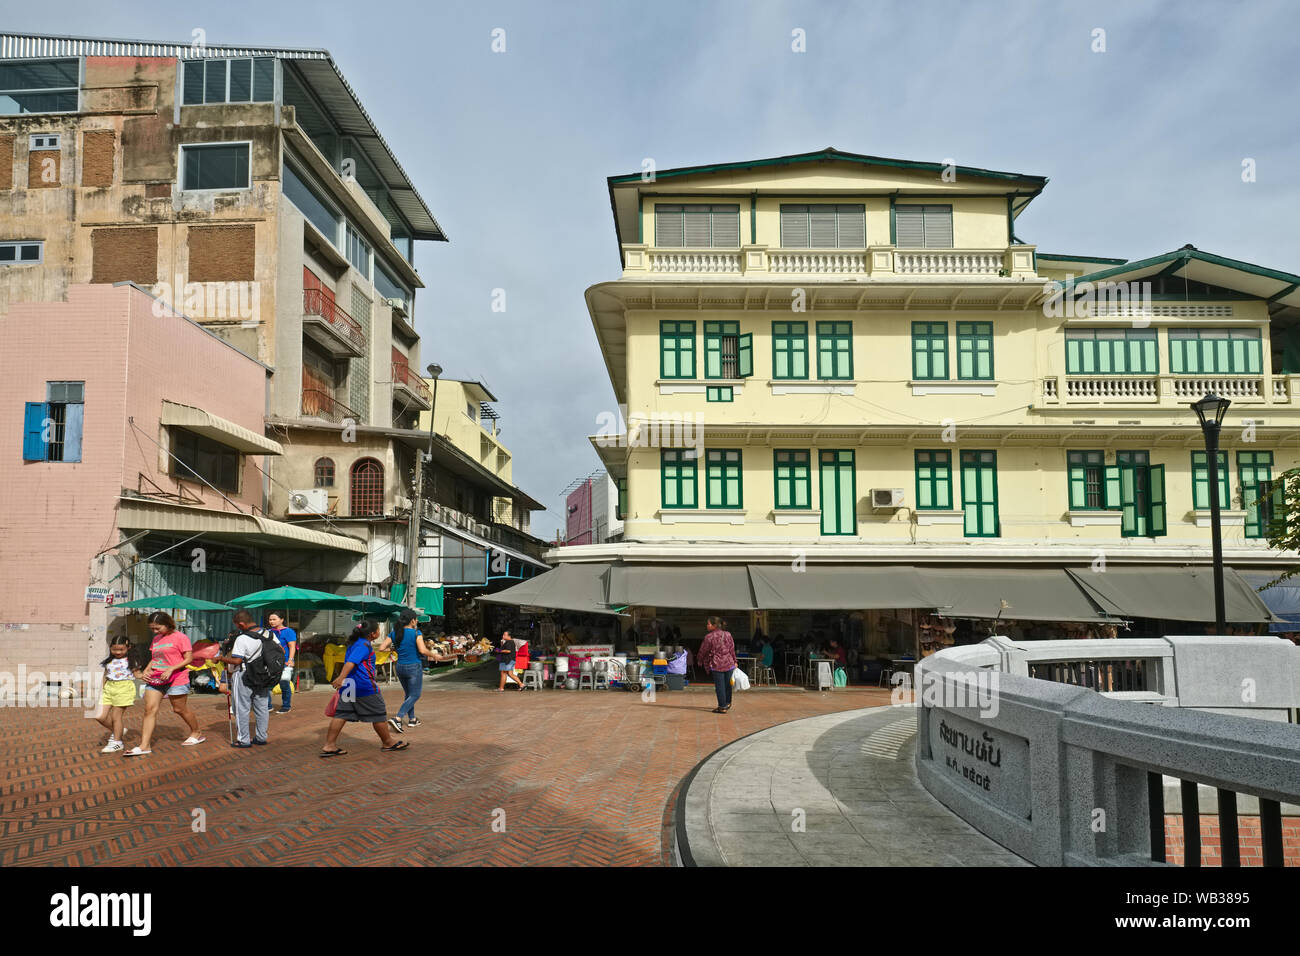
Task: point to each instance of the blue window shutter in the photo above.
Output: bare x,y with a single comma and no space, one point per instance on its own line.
72,428
34,446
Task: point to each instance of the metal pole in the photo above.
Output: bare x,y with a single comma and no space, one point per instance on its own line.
1216,531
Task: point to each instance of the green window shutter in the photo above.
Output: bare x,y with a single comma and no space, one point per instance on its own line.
974,350
1112,484
1201,480
979,494
929,350
1077,475
1157,493
745,355
1128,499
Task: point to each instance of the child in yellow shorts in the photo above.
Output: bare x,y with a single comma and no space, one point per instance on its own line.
119,694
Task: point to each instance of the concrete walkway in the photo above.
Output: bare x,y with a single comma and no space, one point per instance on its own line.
848,778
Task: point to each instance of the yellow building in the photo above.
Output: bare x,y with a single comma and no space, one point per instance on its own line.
834,360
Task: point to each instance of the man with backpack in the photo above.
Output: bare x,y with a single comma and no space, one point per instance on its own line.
252,668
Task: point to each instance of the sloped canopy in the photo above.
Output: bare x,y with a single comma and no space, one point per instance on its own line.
1031,594
837,587
699,587
569,587
1173,594
1197,266
168,602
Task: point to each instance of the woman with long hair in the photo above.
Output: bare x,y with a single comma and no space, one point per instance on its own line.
411,652
358,699
167,675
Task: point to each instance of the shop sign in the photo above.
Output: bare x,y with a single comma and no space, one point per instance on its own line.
103,595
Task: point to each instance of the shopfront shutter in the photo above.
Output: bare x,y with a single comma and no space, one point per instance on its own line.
821,227
938,227
34,446
852,227
668,227
794,227
909,227
745,355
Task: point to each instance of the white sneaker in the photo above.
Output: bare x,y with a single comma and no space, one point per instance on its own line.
136,752
113,746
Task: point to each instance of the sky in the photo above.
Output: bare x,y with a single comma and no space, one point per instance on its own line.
1143,140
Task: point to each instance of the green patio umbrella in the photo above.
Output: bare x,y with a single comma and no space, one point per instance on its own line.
174,602
287,597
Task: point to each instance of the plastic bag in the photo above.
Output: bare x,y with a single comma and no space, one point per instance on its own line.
739,679
841,677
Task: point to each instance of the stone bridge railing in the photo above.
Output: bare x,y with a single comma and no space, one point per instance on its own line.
1064,774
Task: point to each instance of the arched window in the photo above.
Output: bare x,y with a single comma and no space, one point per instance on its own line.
324,472
367,488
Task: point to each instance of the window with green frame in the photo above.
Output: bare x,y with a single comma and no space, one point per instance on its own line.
1141,495
727,353
1093,486
789,349
723,486
1201,480
1215,351
929,350
677,467
1260,495
1111,352
720,393
975,350
835,350
697,226
622,498
979,493
676,349
792,469
839,492
933,480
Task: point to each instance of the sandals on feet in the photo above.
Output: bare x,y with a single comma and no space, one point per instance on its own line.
332,753
400,745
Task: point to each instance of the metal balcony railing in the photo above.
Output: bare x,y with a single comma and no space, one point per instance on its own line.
402,375
315,302
318,404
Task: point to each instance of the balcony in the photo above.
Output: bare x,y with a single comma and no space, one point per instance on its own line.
889,262
1167,390
330,326
495,532
411,385
319,404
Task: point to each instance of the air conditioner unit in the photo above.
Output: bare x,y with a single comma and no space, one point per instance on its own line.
886,498
309,501
397,305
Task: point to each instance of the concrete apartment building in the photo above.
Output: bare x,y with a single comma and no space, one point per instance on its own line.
593,510
126,468
248,188
856,366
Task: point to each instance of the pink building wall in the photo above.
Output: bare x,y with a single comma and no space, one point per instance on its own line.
54,516
578,512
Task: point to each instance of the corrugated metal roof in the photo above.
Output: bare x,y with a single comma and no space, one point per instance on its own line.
154,515
316,66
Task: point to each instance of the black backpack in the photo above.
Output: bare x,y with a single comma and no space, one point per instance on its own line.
262,672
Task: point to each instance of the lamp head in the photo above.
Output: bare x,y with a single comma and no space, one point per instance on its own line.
1210,410
435,370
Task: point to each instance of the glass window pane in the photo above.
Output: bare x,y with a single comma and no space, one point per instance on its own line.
214,85
192,75
241,81
263,80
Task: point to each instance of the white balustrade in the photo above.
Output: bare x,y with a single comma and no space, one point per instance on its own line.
704,260
1279,390
1197,388
1049,388
1111,389
818,262
948,262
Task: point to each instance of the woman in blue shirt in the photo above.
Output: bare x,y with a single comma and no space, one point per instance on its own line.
358,698
410,669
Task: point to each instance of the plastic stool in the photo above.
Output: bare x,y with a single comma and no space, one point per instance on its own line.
531,679
586,680
600,677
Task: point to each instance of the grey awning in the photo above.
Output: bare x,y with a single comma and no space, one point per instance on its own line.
1031,594
570,587
698,587
1172,594
779,587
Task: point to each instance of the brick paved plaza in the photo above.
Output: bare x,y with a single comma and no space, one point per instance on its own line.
584,779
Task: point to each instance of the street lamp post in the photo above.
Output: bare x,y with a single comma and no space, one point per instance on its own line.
417,504
1209,412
